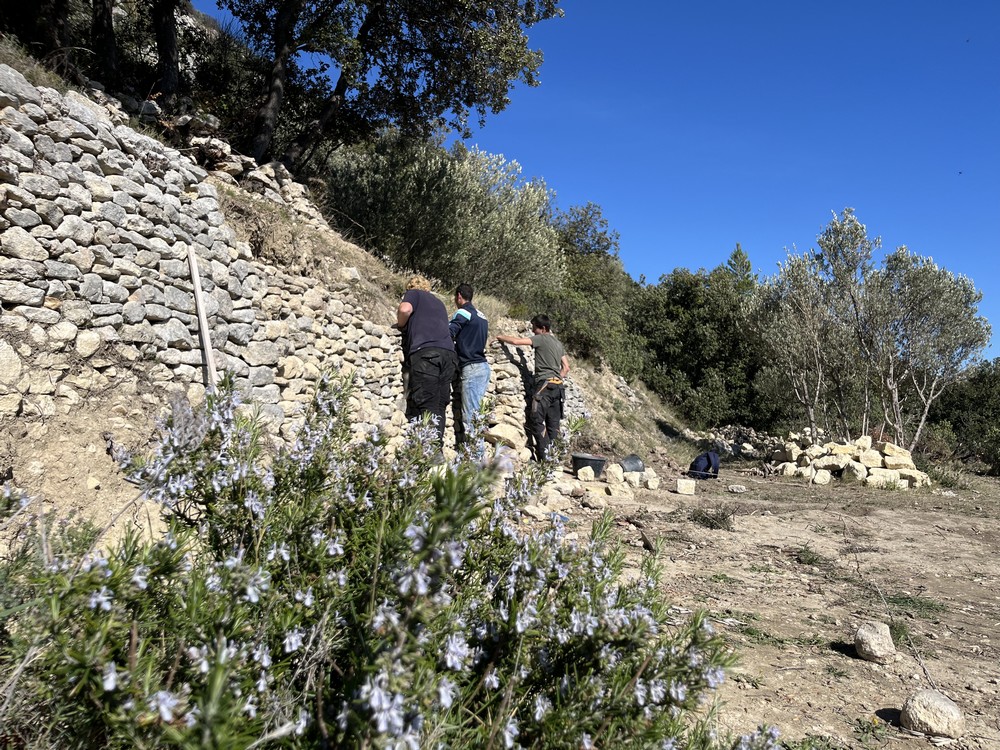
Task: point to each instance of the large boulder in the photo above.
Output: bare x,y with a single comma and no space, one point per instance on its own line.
933,713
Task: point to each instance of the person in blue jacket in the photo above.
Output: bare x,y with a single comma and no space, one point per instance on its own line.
469,329
705,466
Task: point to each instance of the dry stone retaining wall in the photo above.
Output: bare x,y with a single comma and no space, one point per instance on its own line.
97,223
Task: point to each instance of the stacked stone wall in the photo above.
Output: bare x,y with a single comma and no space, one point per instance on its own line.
97,222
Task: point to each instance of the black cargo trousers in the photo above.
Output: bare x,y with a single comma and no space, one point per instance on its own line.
546,412
431,372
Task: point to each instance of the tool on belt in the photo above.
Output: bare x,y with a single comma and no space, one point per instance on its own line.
538,393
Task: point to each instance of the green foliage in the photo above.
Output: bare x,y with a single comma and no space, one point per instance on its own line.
340,594
591,306
459,216
858,344
704,356
407,64
968,413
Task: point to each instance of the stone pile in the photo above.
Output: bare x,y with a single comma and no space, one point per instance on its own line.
876,464
99,226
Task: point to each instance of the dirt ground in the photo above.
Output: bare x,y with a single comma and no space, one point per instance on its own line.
803,567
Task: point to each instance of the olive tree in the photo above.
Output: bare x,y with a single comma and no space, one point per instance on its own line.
460,215
847,338
932,332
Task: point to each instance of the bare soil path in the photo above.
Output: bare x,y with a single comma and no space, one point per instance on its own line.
803,566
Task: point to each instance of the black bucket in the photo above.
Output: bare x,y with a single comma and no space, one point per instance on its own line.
632,462
596,463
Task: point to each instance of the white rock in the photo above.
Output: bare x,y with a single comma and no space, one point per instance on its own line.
614,473
933,713
10,364
685,486
873,642
585,474
822,476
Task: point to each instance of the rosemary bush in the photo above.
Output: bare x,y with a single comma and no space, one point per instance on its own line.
337,595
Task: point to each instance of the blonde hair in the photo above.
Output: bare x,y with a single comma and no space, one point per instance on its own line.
418,282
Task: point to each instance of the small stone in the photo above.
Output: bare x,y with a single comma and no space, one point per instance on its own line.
87,342
585,474
93,483
614,473
822,476
594,502
685,486
873,642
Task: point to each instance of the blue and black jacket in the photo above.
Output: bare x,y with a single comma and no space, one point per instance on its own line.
469,328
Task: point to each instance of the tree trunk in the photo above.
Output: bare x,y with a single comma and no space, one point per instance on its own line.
53,18
103,42
288,14
310,135
167,58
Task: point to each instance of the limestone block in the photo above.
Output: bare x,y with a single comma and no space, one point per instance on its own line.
505,434
854,471
614,473
651,483
822,476
17,243
685,486
864,442
871,458
885,479
536,512
633,478
914,477
87,342
585,474
10,364
262,353
804,472
873,642
891,449
594,501
833,462
786,469
15,293
933,713
815,451
897,462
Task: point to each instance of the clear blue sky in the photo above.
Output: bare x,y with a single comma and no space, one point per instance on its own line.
698,125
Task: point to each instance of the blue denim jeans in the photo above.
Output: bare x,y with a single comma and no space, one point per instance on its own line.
475,379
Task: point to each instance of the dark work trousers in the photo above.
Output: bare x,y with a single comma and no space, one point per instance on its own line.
546,413
431,373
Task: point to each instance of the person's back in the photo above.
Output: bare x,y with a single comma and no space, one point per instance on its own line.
549,392
428,323
549,355
470,329
429,353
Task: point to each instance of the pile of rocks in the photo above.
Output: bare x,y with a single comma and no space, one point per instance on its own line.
876,464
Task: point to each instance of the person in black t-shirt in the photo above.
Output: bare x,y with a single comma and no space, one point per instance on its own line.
428,352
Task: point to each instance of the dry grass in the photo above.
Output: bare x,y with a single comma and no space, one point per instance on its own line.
17,57
277,236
